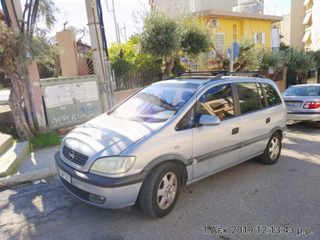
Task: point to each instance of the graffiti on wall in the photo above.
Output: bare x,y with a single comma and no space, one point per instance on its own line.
69,120
72,103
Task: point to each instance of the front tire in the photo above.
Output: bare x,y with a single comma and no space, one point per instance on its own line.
273,150
160,190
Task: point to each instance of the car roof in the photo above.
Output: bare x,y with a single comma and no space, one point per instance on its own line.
193,80
202,80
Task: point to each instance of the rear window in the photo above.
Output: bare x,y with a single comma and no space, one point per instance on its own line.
272,95
306,91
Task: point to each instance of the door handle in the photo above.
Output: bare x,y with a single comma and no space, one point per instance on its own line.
235,131
268,120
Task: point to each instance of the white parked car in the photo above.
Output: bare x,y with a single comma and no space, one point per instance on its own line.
172,133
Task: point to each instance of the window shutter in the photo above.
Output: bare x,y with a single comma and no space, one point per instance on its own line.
255,37
263,38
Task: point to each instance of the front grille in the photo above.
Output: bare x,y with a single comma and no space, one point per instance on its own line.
76,191
84,195
74,156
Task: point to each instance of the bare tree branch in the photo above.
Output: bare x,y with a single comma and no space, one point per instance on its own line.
24,15
29,15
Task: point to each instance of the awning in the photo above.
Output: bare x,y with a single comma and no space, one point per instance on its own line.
307,18
306,36
306,2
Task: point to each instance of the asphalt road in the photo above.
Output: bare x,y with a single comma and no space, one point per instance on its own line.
261,200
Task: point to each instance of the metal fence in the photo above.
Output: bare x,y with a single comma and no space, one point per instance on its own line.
136,81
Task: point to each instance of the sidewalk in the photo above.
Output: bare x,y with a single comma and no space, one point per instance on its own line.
38,165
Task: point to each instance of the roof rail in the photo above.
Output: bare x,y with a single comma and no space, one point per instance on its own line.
246,73
206,73
221,73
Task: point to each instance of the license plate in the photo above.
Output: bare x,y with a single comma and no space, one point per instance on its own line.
65,175
293,105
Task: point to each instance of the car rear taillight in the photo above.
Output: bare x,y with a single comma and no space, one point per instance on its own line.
311,105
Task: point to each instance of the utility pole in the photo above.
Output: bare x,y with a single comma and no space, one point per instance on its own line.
116,25
100,60
231,56
124,31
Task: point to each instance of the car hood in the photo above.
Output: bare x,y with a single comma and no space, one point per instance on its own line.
106,136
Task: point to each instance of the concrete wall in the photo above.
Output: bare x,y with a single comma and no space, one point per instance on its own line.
285,29
296,25
67,53
291,27
225,5
70,101
5,115
181,7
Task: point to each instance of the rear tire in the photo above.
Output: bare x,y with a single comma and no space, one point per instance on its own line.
273,149
160,190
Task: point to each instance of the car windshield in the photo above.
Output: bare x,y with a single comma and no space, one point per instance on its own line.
306,91
156,103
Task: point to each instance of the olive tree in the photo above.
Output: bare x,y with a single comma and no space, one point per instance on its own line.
161,37
316,56
299,63
165,37
18,48
195,38
272,63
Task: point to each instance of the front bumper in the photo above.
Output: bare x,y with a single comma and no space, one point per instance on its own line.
104,192
303,116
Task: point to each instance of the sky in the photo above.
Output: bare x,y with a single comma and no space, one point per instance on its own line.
74,12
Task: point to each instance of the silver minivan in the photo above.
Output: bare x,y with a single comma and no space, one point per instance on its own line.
170,134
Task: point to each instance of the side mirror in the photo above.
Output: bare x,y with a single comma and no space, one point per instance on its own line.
209,120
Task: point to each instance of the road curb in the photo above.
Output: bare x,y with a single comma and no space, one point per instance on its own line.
27,177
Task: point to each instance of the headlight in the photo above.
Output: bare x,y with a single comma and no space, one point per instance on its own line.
113,165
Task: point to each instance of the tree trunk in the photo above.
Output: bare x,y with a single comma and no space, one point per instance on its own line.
28,103
302,78
168,65
16,104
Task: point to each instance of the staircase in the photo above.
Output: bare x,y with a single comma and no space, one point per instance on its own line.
11,154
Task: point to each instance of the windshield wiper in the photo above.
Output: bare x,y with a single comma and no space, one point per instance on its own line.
164,102
137,119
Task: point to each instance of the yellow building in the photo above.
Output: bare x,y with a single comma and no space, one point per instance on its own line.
233,26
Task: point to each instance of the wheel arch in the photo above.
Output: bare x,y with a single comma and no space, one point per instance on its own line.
177,159
277,130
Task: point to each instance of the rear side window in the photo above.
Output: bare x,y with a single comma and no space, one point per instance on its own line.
272,95
249,97
217,101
